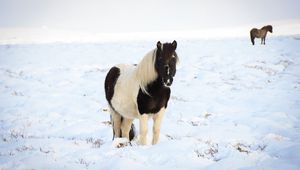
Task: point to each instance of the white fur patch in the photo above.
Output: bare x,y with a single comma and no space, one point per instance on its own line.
131,79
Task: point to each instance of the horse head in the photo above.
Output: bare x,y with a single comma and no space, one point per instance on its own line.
166,60
269,28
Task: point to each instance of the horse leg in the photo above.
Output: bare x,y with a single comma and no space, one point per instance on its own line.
125,127
143,129
116,123
157,118
262,40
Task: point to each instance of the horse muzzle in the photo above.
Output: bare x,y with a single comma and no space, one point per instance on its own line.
167,81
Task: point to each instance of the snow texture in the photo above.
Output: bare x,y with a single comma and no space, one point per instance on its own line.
233,106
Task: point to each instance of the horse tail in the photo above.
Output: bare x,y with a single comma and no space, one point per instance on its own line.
132,132
252,36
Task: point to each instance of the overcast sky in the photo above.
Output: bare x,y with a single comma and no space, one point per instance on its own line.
143,15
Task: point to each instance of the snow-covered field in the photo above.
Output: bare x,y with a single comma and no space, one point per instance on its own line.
233,106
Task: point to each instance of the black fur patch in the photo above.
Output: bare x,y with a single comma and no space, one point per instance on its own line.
159,97
110,82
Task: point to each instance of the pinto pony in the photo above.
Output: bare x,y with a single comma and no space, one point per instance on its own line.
260,33
140,91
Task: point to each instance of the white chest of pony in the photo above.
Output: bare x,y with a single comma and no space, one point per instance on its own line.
136,92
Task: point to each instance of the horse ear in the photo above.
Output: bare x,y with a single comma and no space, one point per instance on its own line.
159,45
174,44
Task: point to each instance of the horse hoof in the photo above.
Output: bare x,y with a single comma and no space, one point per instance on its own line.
120,142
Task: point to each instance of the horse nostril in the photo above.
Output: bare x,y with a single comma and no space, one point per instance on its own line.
168,82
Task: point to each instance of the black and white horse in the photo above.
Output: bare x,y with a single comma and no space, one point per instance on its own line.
140,91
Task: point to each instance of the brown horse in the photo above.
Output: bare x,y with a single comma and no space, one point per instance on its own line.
260,33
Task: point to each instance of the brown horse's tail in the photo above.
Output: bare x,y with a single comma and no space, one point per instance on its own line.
252,37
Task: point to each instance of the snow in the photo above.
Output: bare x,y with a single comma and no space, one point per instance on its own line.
44,34
233,106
